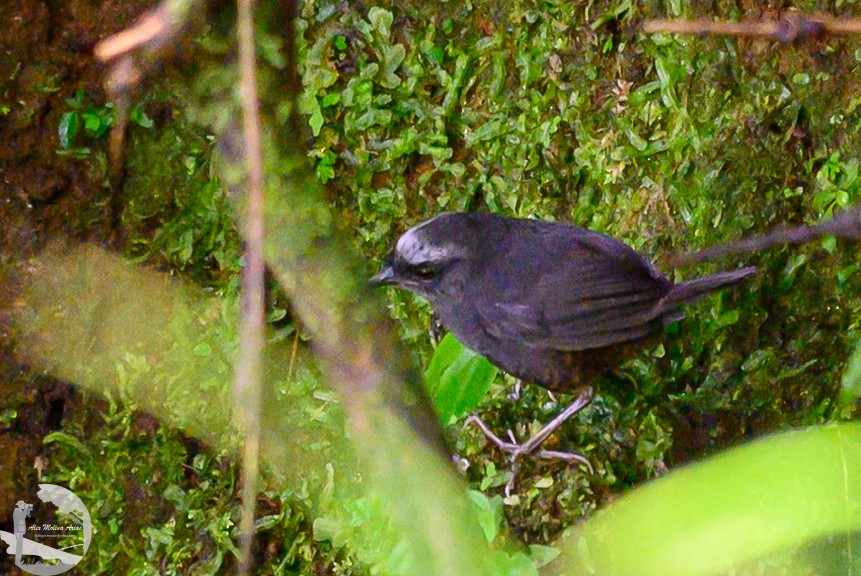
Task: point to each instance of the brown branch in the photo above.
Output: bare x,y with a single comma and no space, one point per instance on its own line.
150,26
847,224
153,30
790,28
249,367
131,52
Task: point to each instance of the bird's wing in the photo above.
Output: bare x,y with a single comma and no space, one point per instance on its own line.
583,291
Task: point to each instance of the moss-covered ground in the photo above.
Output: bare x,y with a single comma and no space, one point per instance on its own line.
555,110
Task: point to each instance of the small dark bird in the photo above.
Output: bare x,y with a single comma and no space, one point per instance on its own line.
550,303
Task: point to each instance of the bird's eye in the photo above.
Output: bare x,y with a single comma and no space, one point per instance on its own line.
425,272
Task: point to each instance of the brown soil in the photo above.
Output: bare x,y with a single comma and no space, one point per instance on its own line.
45,57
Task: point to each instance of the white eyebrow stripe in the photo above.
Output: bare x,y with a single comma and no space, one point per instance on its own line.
415,248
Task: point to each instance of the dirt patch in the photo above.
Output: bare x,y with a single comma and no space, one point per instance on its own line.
45,58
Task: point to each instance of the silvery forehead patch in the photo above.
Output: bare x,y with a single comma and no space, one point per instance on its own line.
416,248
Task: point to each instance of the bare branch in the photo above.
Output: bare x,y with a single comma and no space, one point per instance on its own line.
845,225
153,30
131,52
145,31
247,383
790,28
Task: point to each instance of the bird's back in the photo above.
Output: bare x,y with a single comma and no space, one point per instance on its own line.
557,305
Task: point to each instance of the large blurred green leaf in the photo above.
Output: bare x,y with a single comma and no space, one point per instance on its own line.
750,503
457,378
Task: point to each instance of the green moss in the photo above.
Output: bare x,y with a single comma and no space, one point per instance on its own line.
668,143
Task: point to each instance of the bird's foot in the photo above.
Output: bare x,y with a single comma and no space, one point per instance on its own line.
531,446
515,394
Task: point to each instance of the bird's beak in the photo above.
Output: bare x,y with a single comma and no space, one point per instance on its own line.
385,277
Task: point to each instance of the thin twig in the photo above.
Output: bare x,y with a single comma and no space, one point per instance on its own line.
150,26
247,386
790,28
130,52
293,352
153,33
847,224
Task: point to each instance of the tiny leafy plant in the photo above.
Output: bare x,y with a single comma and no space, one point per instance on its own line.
84,123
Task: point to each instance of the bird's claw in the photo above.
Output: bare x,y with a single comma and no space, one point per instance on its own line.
528,448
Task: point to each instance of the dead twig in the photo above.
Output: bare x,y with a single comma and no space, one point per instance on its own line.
130,52
790,28
249,367
847,224
151,26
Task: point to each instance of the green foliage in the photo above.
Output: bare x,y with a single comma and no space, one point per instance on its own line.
557,112
666,142
88,123
156,460
177,212
361,523
457,379
148,486
778,494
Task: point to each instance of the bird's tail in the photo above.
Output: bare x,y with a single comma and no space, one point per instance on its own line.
693,290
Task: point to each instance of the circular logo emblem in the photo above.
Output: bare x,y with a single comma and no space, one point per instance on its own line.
58,540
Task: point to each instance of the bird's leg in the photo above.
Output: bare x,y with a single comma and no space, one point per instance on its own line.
530,447
436,329
583,398
515,394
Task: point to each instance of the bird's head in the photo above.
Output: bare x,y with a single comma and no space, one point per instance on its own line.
428,258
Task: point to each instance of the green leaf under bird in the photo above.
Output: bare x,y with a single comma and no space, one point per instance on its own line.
457,378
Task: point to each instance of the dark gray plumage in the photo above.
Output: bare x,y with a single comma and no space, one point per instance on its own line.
550,303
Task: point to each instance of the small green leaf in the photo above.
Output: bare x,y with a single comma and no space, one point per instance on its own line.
325,78
457,378
266,522
316,122
340,42
373,117
394,55
542,555
139,117
202,349
307,102
381,19
437,54
636,141
276,314
77,100
68,129
94,123
488,512
330,99
545,482
325,172
487,131
728,318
